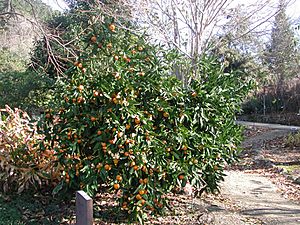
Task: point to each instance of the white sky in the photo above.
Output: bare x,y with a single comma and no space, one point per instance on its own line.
56,4
293,9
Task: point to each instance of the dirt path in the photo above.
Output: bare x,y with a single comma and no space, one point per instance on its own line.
258,197
256,200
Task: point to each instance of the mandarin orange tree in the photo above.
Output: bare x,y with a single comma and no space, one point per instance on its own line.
123,121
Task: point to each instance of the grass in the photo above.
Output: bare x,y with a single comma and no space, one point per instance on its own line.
31,209
290,168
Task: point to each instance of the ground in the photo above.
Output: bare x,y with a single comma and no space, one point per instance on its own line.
260,189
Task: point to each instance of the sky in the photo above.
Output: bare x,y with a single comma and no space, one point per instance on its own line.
293,9
56,4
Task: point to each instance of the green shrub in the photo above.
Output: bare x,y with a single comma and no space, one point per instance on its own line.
10,61
122,121
27,90
292,140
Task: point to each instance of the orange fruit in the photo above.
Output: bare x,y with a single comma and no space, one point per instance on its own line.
103,144
93,39
120,134
132,164
141,192
95,93
137,120
127,126
181,177
119,178
143,201
99,132
112,27
93,119
144,169
184,148
116,186
126,154
145,180
107,167
99,166
79,65
166,114
135,168
194,94
80,87
138,197
109,45
79,141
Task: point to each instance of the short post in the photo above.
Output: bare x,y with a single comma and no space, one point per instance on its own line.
84,209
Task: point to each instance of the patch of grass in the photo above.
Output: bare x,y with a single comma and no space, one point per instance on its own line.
292,140
9,213
30,209
290,168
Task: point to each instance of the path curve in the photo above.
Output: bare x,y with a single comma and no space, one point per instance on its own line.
255,194
258,197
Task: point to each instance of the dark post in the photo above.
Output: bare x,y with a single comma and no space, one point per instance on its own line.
84,209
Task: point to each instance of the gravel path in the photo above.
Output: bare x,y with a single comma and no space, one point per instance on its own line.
258,197
254,195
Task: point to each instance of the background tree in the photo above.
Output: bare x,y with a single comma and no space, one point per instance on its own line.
281,54
191,26
21,23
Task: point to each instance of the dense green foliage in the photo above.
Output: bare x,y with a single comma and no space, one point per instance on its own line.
119,118
123,121
26,89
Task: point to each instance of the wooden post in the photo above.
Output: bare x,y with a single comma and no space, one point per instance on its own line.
84,209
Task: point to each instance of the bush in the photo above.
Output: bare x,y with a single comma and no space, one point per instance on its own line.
292,140
10,61
27,90
122,121
22,164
